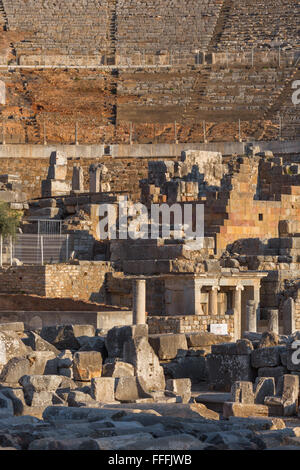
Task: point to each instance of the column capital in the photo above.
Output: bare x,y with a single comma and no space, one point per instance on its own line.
218,288
239,287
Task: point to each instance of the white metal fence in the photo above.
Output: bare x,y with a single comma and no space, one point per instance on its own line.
34,249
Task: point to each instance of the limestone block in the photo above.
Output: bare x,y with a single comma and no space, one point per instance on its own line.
46,212
117,442
14,370
46,203
103,389
244,410
93,343
43,398
286,401
275,372
193,367
87,365
263,387
38,344
258,424
118,369
166,346
225,369
11,346
241,347
57,172
129,389
65,336
242,392
17,326
58,158
138,352
52,188
204,339
40,383
181,387
117,336
266,357
77,398
39,362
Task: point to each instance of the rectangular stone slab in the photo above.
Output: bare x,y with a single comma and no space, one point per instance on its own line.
244,410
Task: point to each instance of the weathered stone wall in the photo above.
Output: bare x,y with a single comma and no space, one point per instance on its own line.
240,214
40,319
218,92
124,174
119,292
188,324
80,282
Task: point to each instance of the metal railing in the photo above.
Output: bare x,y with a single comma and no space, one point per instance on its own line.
34,249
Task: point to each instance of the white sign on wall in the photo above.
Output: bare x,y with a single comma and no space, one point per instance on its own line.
219,328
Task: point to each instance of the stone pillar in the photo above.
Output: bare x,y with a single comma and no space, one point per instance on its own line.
94,172
192,297
237,305
77,179
213,300
99,178
251,316
55,184
139,301
273,321
289,326
256,298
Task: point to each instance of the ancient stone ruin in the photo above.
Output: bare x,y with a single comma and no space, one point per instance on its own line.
149,225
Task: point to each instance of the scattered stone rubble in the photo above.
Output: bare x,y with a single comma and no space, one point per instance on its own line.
12,193
71,388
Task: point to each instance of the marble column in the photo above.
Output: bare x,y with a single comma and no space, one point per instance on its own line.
251,316
139,301
213,300
256,298
273,321
237,305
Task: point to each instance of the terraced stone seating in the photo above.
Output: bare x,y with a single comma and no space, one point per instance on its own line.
148,26
260,24
66,26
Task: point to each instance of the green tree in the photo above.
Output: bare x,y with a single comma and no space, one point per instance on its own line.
9,220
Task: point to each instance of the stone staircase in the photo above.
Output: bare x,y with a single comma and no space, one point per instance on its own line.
112,31
220,25
32,129
191,110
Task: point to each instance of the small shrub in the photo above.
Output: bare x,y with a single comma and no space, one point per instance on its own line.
9,220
